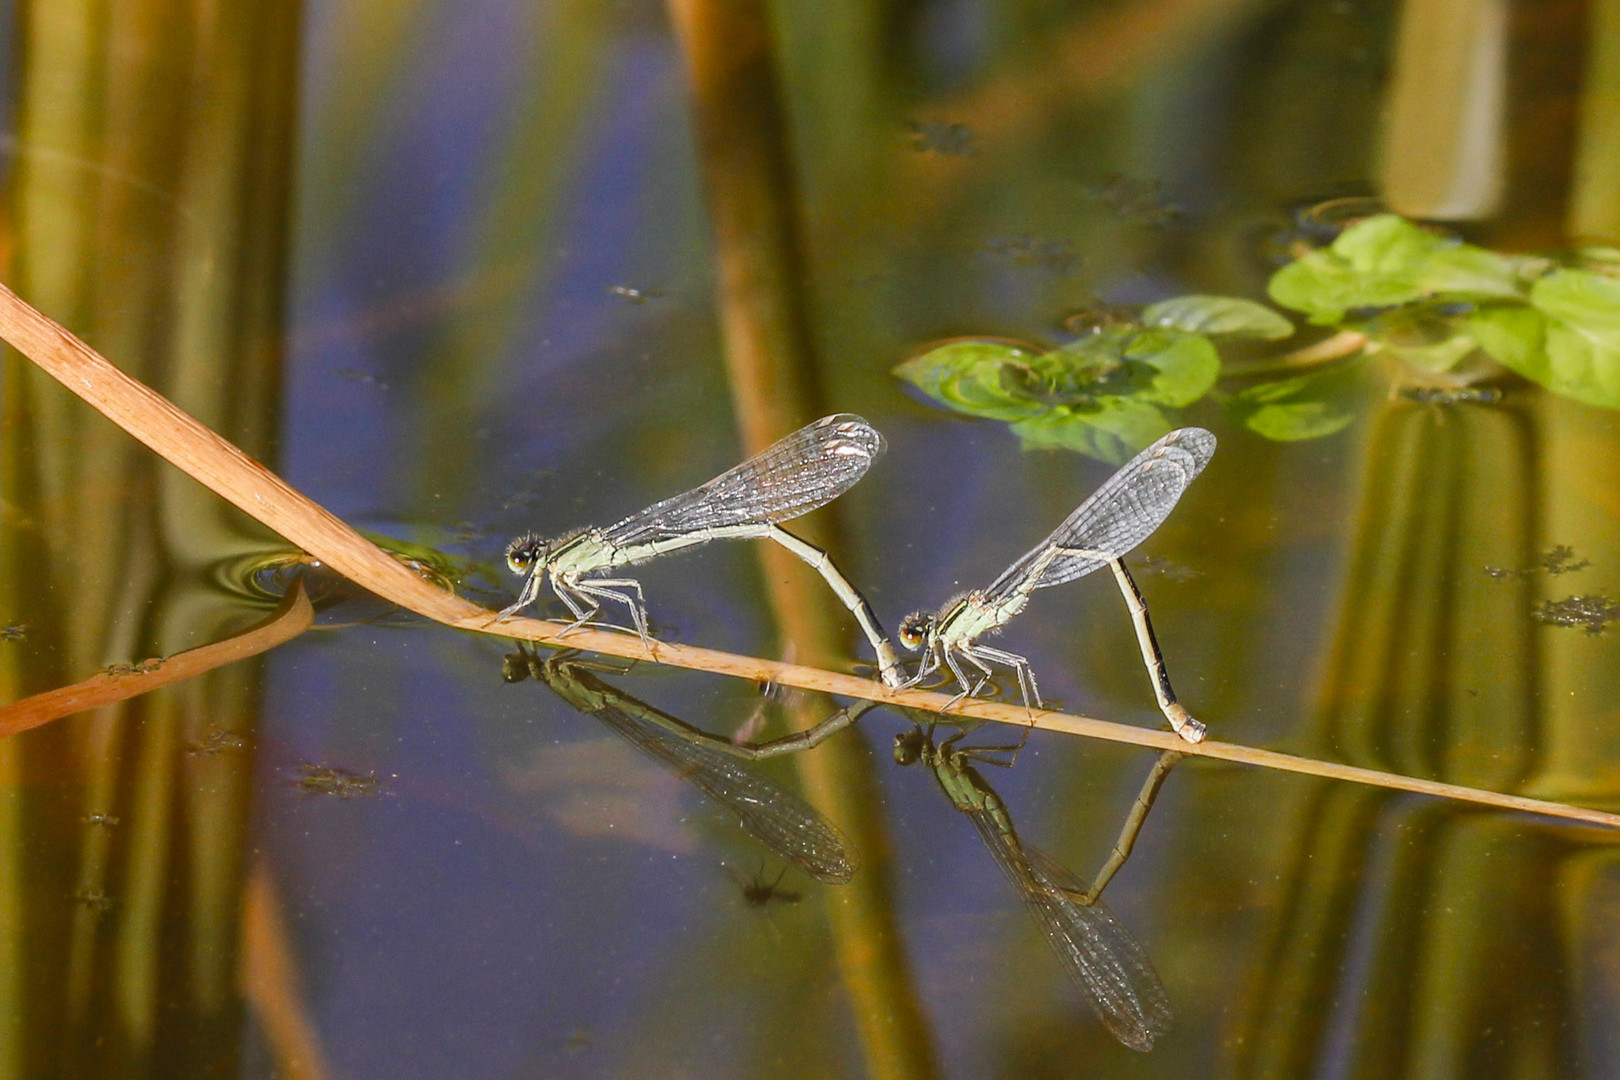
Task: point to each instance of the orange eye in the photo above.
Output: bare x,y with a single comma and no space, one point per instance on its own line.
914,630
523,553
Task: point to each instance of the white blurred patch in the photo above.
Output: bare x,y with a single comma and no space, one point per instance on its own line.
604,788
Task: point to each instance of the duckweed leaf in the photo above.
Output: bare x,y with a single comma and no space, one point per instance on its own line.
1568,340
1187,366
1218,315
1582,299
1440,356
1515,337
1102,394
980,378
1156,366
1583,367
1385,261
1302,407
1111,430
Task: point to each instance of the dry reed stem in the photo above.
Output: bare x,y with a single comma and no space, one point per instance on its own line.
292,618
203,454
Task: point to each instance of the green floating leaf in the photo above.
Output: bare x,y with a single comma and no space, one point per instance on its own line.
1303,407
1111,431
1102,395
980,378
1582,367
1568,340
1515,337
1582,299
1436,358
1420,337
1156,366
1187,366
1386,260
1218,315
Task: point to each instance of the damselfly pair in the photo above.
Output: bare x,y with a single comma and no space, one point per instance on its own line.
815,465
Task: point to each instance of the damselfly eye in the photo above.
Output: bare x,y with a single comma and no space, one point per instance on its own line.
914,629
523,553
907,747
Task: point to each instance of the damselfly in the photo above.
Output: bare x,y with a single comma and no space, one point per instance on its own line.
805,470
1117,517
1100,956
781,820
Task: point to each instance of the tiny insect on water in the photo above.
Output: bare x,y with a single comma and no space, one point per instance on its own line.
757,892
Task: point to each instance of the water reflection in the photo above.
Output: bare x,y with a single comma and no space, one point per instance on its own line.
781,820
1099,955
464,201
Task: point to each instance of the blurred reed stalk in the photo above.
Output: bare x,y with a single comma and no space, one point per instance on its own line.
1594,210
1444,152
752,197
148,206
270,980
1438,668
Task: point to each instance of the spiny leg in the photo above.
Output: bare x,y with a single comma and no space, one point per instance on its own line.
526,596
1026,682
1019,665
981,754
1181,722
984,754
947,746
925,667
968,690
579,604
604,589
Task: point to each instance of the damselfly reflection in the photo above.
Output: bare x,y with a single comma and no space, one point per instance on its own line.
1100,956
1122,513
782,821
802,472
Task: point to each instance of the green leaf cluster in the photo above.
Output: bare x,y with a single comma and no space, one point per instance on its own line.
1306,406
1106,395
1567,338
1386,261
1428,300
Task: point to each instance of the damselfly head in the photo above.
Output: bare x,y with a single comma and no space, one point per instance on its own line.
908,747
525,553
514,667
914,629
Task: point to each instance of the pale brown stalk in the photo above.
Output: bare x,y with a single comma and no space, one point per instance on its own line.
209,458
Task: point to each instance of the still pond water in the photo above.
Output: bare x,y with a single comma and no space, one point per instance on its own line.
461,270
